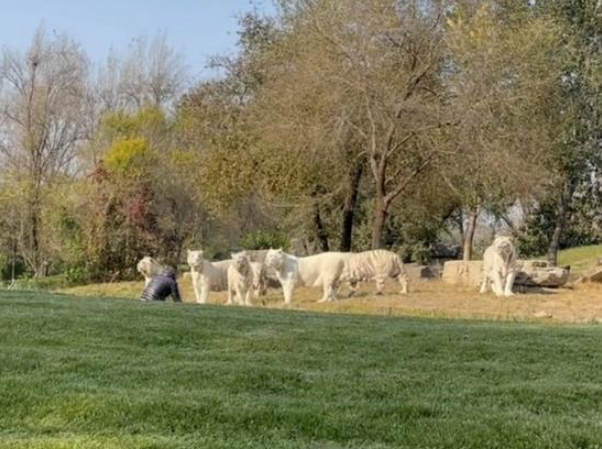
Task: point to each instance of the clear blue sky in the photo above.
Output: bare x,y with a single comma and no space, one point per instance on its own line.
197,29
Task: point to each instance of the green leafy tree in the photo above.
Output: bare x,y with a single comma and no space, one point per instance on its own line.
574,155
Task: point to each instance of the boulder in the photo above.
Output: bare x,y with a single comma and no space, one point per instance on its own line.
416,271
531,273
538,273
459,272
430,272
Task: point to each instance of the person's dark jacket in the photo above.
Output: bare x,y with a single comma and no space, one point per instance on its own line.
162,286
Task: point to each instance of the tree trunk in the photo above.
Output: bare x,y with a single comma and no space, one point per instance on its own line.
349,207
35,241
562,213
380,217
554,246
321,233
469,235
34,245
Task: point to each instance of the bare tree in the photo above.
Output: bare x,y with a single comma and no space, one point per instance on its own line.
151,73
41,109
371,71
108,84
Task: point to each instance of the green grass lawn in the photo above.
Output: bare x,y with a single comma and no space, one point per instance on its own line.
108,373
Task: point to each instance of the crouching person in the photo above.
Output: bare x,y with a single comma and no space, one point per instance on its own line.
162,286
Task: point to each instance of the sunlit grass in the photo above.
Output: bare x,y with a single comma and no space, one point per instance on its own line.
580,258
426,299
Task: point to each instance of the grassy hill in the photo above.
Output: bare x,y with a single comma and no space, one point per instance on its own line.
580,258
109,373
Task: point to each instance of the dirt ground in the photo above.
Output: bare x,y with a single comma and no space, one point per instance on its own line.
431,298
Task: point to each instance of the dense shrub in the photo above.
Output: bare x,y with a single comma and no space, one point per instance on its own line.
260,239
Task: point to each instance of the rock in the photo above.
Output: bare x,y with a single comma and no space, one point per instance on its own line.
459,272
531,273
593,274
416,271
542,314
538,273
533,264
430,272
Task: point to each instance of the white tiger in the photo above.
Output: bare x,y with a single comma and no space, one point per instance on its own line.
321,270
240,280
149,268
376,265
260,279
207,276
267,275
499,267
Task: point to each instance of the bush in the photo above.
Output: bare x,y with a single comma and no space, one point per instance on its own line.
421,255
6,267
264,240
78,275
413,253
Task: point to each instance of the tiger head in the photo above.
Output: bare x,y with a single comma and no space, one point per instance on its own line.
195,260
504,245
275,259
241,262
